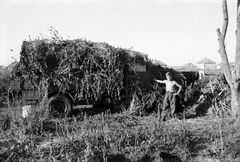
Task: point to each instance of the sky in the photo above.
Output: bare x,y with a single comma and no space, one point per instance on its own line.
176,32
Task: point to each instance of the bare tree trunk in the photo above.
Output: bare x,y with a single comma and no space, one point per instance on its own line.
231,77
236,73
237,54
234,102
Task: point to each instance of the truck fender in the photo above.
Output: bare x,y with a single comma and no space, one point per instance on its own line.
63,93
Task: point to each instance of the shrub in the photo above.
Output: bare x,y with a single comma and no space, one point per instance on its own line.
210,96
4,85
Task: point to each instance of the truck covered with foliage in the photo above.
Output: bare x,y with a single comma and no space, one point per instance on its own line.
72,72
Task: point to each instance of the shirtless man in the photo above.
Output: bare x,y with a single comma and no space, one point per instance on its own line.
170,96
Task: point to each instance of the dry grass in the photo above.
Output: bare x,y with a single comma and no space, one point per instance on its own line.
105,137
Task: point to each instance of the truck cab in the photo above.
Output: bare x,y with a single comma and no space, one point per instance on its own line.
23,90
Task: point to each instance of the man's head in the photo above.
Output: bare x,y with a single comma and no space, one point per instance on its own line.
169,76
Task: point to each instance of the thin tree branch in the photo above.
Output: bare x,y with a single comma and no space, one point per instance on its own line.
225,19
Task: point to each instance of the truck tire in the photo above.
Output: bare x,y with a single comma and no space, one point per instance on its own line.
60,106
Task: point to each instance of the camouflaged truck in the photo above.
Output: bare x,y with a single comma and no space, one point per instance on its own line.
62,102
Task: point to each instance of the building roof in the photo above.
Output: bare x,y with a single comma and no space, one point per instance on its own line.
188,66
175,67
206,61
185,67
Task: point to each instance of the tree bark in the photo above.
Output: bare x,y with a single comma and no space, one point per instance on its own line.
236,73
231,77
222,49
234,102
237,54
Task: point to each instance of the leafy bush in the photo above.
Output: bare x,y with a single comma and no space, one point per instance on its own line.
217,93
4,85
210,96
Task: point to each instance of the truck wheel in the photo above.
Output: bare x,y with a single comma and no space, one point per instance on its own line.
60,106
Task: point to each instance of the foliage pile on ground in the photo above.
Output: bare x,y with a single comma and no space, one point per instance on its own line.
218,94
210,96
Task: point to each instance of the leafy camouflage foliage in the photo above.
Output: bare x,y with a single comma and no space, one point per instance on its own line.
90,69
4,84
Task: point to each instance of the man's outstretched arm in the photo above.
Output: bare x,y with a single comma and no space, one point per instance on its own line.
160,81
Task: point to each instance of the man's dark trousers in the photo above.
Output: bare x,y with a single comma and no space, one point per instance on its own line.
169,99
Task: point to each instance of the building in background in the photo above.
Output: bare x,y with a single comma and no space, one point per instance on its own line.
206,64
189,67
185,67
220,65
